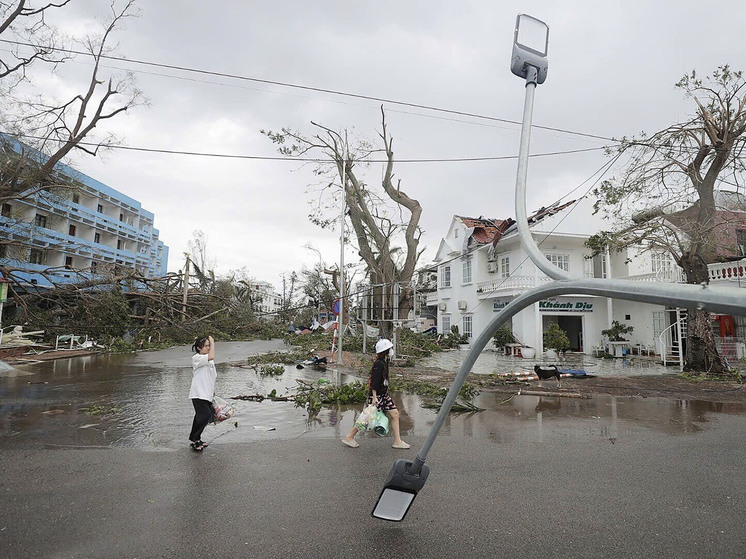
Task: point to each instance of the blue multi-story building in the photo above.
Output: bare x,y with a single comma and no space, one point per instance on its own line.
86,229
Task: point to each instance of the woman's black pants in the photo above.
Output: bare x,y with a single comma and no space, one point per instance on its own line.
202,415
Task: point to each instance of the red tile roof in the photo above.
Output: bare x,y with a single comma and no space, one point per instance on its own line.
487,230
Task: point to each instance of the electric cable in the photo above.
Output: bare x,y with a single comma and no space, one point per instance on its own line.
310,88
311,159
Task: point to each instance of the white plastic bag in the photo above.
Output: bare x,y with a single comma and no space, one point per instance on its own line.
366,416
223,410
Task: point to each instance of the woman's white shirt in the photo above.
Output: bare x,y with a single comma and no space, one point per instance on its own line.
203,377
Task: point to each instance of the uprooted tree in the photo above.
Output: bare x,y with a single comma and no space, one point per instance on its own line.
666,194
384,222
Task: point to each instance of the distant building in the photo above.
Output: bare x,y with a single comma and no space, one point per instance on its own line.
266,302
86,230
426,298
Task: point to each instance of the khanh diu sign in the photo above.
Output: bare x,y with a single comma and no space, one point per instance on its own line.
552,306
565,306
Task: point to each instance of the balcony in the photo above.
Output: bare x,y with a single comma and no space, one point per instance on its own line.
664,275
515,284
729,272
720,273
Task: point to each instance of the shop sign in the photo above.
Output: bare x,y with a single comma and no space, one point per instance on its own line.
565,306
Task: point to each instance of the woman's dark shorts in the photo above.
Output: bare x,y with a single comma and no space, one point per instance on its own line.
385,403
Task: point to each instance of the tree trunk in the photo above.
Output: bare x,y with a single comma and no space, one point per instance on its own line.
701,352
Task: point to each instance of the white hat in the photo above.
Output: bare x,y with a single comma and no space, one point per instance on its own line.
383,345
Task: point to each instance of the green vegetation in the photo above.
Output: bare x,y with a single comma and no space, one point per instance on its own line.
436,394
283,357
615,332
412,345
312,398
556,338
99,410
503,337
271,370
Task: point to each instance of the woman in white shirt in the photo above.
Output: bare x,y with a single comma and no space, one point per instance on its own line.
202,389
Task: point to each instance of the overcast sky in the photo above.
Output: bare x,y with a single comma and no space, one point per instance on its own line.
612,70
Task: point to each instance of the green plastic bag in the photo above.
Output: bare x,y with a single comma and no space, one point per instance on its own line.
380,424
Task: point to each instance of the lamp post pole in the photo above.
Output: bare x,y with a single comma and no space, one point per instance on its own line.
340,316
318,289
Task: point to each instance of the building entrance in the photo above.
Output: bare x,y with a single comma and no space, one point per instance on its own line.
572,325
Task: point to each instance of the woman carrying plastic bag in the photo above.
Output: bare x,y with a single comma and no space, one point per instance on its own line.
202,389
222,410
379,397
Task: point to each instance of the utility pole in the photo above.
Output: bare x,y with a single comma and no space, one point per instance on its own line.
186,288
284,297
341,315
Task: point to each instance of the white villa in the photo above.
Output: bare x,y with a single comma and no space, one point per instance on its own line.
482,267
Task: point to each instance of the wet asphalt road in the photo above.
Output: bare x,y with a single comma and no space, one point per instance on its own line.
535,477
652,496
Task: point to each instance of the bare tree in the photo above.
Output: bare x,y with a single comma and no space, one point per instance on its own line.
380,219
48,130
665,196
203,265
316,285
31,39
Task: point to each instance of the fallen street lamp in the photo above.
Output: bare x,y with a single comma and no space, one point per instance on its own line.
399,490
407,478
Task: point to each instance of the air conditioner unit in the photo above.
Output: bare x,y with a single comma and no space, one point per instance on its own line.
442,307
492,267
462,305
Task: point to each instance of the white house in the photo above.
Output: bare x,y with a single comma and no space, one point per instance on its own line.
482,267
267,302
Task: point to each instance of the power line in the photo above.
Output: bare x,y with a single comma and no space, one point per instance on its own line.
310,159
314,89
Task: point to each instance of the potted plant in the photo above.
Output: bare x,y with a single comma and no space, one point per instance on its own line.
503,337
615,334
617,329
555,340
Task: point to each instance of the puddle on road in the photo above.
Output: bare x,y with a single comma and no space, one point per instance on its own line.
147,394
490,361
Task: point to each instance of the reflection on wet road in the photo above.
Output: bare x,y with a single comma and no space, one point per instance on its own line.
141,401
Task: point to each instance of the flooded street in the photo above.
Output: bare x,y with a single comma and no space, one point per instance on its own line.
490,361
140,400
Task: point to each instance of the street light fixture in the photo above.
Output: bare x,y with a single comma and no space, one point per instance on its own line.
530,44
399,490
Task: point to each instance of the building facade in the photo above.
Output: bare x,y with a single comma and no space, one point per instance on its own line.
266,301
85,230
482,267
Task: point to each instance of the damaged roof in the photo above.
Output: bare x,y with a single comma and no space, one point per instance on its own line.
488,230
485,230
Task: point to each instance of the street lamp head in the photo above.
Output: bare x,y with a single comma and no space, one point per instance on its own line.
530,44
399,490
